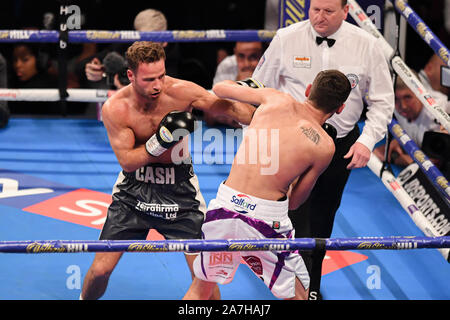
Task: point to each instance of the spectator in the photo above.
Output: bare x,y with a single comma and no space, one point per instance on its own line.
146,20
4,110
430,75
238,66
241,64
150,20
415,119
29,67
30,72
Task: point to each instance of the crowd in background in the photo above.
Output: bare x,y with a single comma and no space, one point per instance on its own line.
34,65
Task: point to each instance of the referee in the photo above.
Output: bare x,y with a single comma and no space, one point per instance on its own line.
295,56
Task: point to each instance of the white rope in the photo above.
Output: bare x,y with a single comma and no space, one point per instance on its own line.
407,203
75,95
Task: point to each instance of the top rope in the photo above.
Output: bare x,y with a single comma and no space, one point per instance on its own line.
107,36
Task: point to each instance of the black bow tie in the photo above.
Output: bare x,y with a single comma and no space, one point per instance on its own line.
329,41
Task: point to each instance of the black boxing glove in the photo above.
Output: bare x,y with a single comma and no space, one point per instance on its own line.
163,139
250,82
332,132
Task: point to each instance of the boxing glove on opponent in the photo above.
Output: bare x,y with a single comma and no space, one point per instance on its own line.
250,82
163,139
332,132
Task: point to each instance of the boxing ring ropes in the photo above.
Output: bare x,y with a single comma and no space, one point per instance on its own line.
432,240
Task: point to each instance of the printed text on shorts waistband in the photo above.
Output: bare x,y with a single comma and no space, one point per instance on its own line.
243,203
162,173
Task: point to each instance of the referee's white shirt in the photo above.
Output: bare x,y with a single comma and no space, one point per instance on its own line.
293,59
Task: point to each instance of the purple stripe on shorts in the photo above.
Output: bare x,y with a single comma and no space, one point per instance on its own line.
261,226
203,264
202,259
278,267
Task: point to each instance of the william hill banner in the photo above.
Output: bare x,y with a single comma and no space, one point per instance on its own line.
292,11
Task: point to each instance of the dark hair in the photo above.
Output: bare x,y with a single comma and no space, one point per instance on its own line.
36,51
329,90
144,51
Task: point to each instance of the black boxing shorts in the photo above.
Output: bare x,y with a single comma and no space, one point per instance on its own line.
164,197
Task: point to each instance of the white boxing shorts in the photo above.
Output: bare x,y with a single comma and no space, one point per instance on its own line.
234,215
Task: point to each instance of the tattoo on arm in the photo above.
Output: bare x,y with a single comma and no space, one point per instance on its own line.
311,134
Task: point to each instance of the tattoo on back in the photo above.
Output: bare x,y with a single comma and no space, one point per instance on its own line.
311,134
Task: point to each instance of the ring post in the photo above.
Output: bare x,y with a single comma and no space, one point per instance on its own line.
318,254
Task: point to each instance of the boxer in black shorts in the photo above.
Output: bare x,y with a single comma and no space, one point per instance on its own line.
163,197
148,123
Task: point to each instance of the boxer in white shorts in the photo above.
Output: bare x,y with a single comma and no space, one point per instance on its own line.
253,202
258,219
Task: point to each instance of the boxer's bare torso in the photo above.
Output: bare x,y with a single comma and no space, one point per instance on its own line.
302,149
132,115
